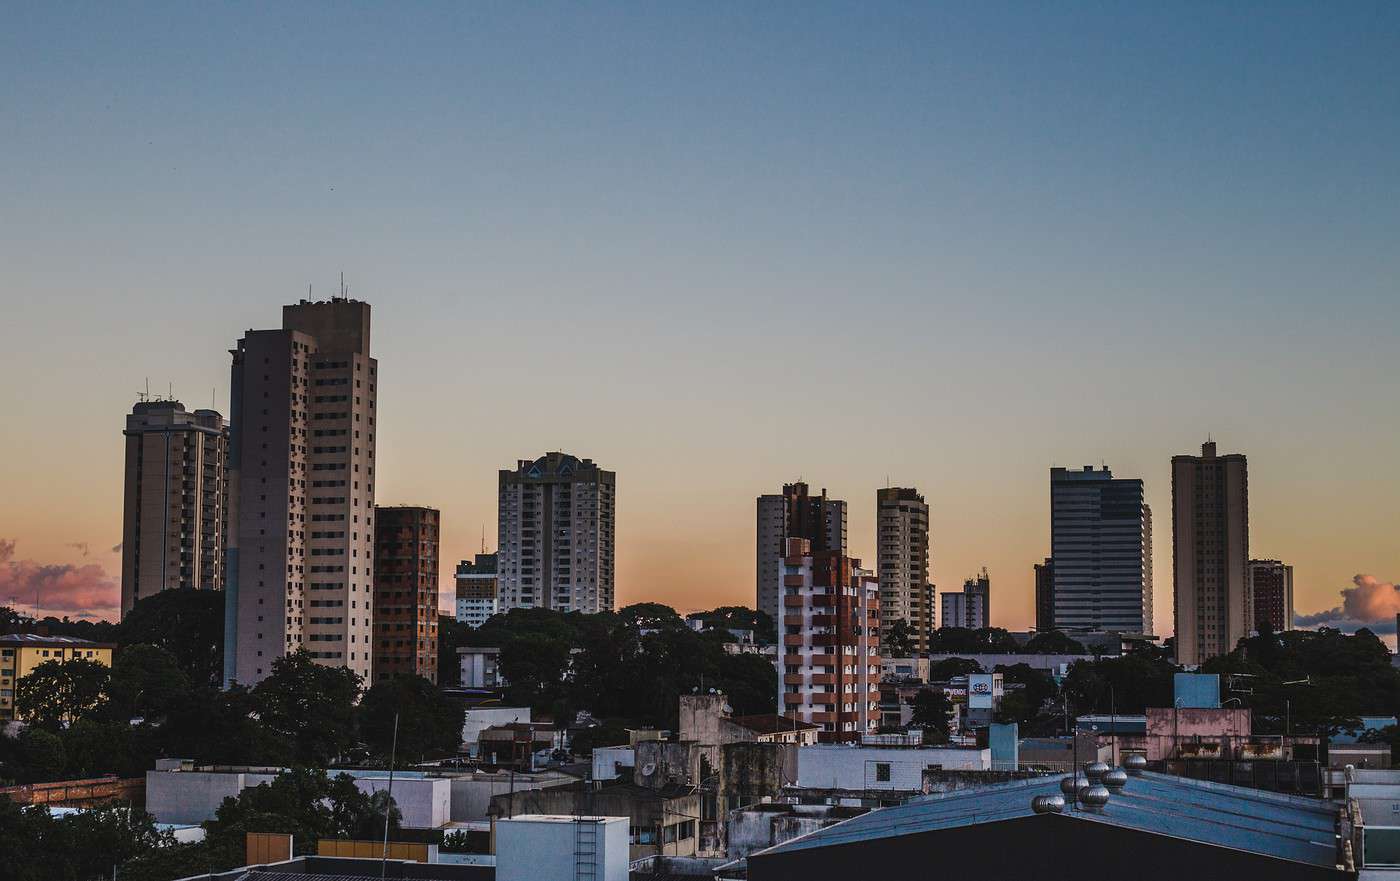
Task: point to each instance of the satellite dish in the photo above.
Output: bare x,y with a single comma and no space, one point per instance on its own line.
648,769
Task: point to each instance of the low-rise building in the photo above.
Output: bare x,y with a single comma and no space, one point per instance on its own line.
660,821
480,667
531,847
20,653
881,769
478,719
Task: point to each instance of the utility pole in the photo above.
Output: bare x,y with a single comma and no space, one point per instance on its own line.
389,797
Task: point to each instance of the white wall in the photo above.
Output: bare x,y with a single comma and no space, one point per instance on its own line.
836,766
471,795
535,847
424,802
606,760
194,796
479,719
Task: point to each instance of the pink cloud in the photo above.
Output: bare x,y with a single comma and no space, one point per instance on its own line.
85,591
1369,602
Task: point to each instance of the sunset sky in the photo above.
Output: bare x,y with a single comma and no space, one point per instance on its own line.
717,247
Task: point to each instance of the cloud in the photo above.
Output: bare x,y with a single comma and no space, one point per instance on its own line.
1370,603
85,591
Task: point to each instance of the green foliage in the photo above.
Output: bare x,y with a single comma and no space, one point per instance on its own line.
145,682
306,803
430,724
765,631
56,692
1128,684
187,623
1053,642
897,640
610,732
1311,682
987,640
308,708
82,846
452,635
931,709
1024,705
947,668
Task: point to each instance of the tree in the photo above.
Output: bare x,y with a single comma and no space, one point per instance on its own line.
1127,684
947,668
146,681
534,665
1053,642
308,707
452,634
896,641
187,623
1022,705
650,615
931,710
56,692
430,724
765,632
34,756
306,803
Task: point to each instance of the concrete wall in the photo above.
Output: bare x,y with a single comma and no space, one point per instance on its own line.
425,802
535,848
662,762
761,826
835,766
194,796
479,719
752,771
607,759
471,795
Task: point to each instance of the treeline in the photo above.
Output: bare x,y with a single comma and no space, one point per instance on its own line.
91,844
628,666
86,720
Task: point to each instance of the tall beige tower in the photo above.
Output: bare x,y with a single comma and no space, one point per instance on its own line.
902,538
175,507
1210,553
302,467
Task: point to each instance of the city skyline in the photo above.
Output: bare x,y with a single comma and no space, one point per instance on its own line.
1092,237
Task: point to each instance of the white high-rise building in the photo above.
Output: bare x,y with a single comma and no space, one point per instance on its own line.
901,523
555,535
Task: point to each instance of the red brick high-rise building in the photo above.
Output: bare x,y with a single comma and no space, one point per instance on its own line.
406,591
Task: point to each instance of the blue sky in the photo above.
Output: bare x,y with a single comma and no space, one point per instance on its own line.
719,246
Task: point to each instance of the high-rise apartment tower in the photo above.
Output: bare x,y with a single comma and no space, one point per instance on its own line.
793,514
175,506
301,462
831,654
1210,553
1101,542
901,522
1271,589
405,592
557,517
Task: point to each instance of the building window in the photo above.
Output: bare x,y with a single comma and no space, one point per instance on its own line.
882,772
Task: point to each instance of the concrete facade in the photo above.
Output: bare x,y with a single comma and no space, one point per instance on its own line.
534,847
176,796
301,472
556,535
830,634
479,667
476,590
902,540
792,514
425,802
20,653
478,719
175,516
406,591
1210,549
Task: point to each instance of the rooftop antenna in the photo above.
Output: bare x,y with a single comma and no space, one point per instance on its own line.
146,395
342,285
483,538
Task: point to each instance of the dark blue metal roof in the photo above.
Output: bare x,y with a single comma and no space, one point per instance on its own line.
1285,827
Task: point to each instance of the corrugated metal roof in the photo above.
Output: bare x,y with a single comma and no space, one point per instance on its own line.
34,639
1285,827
